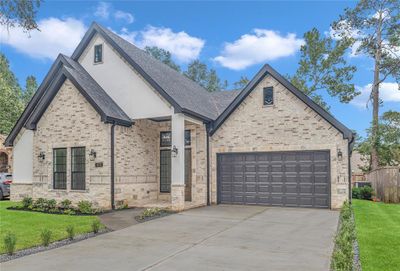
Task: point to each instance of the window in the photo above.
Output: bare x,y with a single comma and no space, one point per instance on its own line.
78,168
60,168
269,96
98,53
166,139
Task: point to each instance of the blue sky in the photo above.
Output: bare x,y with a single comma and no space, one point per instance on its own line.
235,38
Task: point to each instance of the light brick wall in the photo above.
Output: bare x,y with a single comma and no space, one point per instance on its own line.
288,125
70,121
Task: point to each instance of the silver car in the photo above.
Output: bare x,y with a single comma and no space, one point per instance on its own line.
5,181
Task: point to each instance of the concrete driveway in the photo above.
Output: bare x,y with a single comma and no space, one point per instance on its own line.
222,237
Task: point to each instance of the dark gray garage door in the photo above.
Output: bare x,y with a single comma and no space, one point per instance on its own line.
297,179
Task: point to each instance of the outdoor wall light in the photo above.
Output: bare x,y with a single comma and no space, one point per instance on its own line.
340,154
174,151
41,156
92,155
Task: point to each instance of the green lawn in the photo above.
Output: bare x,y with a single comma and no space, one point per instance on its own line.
27,226
378,234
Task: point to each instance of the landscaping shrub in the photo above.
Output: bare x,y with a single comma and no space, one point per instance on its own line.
85,207
27,202
69,212
150,212
355,193
51,204
65,204
10,241
365,192
96,226
45,235
342,257
70,232
40,204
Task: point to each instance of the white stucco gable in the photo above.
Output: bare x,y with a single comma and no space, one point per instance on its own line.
124,85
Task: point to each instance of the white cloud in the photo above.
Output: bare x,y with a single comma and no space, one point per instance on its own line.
55,36
125,16
181,45
102,10
388,92
260,46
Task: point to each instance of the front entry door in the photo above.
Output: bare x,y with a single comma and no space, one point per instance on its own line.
188,174
165,172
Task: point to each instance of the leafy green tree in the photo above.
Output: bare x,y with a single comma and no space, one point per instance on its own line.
209,79
10,97
163,55
30,89
243,81
375,28
322,66
388,138
20,13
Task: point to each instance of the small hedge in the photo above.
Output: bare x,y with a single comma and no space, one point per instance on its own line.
343,254
51,206
365,192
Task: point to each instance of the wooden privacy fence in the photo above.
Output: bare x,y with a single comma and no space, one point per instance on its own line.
386,183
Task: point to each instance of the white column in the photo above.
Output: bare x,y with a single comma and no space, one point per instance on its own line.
178,162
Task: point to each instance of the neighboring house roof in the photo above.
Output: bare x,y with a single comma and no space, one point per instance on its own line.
268,70
183,93
62,69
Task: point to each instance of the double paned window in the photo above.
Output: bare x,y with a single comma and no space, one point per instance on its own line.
60,168
98,53
78,168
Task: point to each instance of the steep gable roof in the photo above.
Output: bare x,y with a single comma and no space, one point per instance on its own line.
62,69
265,70
184,94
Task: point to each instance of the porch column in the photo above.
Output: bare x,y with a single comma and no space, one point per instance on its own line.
178,162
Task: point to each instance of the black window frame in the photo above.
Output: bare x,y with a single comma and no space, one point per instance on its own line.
188,138
57,183
81,183
95,59
268,91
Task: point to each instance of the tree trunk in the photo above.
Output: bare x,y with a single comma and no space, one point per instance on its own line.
375,98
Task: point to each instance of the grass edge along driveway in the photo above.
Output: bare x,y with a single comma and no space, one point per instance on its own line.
27,226
378,234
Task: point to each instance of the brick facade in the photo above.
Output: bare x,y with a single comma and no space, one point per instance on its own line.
288,125
70,121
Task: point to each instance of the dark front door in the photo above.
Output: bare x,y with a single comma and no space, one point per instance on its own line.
165,172
295,179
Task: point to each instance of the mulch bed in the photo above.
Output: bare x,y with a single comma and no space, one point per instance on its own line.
57,244
148,218
59,211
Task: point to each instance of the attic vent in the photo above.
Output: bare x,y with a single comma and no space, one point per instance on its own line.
268,96
98,53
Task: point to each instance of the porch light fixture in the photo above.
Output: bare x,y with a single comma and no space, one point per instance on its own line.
92,155
41,156
174,151
340,154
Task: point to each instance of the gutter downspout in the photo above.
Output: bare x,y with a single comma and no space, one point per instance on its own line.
112,166
349,152
208,163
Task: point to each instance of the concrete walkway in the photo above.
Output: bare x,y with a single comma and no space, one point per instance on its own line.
120,219
211,238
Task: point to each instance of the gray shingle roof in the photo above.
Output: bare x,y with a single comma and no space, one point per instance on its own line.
187,93
223,98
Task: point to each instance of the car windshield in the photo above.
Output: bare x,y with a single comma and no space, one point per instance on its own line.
8,177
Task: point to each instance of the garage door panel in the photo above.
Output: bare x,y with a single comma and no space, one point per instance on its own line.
275,178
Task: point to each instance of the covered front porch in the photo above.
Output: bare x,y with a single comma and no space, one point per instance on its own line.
162,163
